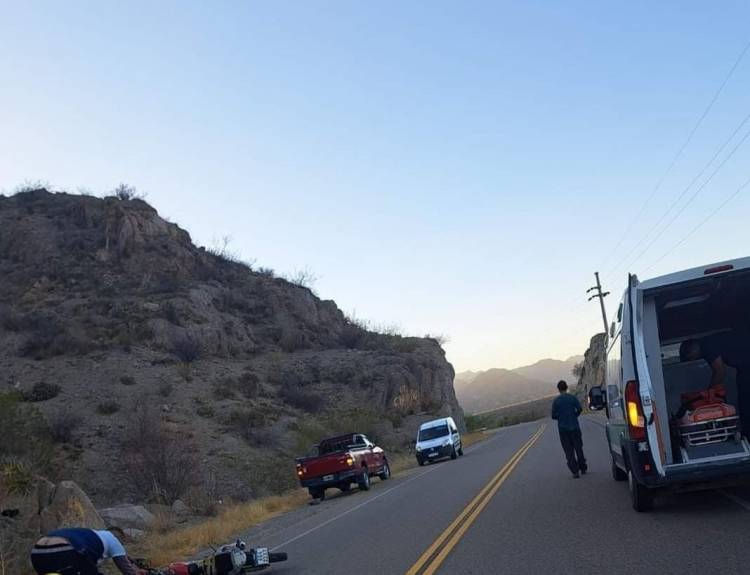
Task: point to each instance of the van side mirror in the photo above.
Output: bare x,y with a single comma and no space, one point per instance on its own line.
597,398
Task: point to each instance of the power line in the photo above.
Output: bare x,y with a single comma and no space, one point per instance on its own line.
701,224
683,194
680,151
691,198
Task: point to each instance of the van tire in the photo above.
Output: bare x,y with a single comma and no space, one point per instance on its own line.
460,450
617,473
364,480
453,453
641,496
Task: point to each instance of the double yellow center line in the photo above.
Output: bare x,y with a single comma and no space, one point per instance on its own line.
431,559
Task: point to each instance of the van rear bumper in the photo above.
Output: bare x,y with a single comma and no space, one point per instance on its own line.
688,477
698,476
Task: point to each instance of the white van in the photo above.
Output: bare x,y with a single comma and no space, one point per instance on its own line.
646,379
438,439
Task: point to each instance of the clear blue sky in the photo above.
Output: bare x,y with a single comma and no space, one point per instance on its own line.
452,167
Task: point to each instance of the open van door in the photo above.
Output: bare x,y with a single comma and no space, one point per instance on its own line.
643,380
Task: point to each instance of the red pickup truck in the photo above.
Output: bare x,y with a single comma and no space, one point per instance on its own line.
341,461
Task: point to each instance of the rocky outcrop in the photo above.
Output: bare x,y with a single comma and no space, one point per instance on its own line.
592,371
127,517
118,308
68,506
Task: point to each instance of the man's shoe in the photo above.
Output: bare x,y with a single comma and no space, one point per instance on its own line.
583,471
576,476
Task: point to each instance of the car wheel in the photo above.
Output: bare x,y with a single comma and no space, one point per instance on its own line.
421,463
641,496
460,450
364,481
386,472
453,453
617,473
317,493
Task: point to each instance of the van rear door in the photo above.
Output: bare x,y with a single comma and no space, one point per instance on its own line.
640,361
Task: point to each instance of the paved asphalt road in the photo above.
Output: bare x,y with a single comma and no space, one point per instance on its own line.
531,517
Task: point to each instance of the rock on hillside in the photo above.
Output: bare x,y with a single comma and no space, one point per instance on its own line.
137,346
594,367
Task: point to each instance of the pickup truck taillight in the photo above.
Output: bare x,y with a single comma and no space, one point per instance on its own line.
636,421
349,461
300,470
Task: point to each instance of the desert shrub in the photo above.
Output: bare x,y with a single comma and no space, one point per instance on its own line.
165,389
248,385
161,466
474,422
246,422
292,340
125,192
62,425
302,399
24,434
169,311
224,388
267,272
405,344
205,410
11,320
17,477
307,433
127,380
108,407
48,338
187,348
352,336
41,391
440,338
271,474
303,278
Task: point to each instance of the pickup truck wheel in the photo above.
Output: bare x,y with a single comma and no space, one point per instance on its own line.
317,493
345,487
453,453
364,481
386,473
642,496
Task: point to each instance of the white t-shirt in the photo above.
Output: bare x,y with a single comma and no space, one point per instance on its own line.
112,545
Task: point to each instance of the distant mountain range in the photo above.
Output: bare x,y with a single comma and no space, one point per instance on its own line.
485,390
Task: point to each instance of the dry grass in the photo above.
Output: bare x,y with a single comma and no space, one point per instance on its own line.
472,437
162,548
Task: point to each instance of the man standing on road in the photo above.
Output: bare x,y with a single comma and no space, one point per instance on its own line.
565,409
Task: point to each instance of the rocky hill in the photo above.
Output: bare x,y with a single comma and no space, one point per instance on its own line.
497,387
146,368
593,369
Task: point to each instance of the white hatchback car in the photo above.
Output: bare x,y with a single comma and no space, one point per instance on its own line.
438,439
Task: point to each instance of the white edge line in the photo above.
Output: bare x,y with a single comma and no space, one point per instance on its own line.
378,496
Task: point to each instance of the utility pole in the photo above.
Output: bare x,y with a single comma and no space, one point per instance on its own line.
597,289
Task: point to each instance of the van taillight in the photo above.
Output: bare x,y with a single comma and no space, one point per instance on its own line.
636,421
717,269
